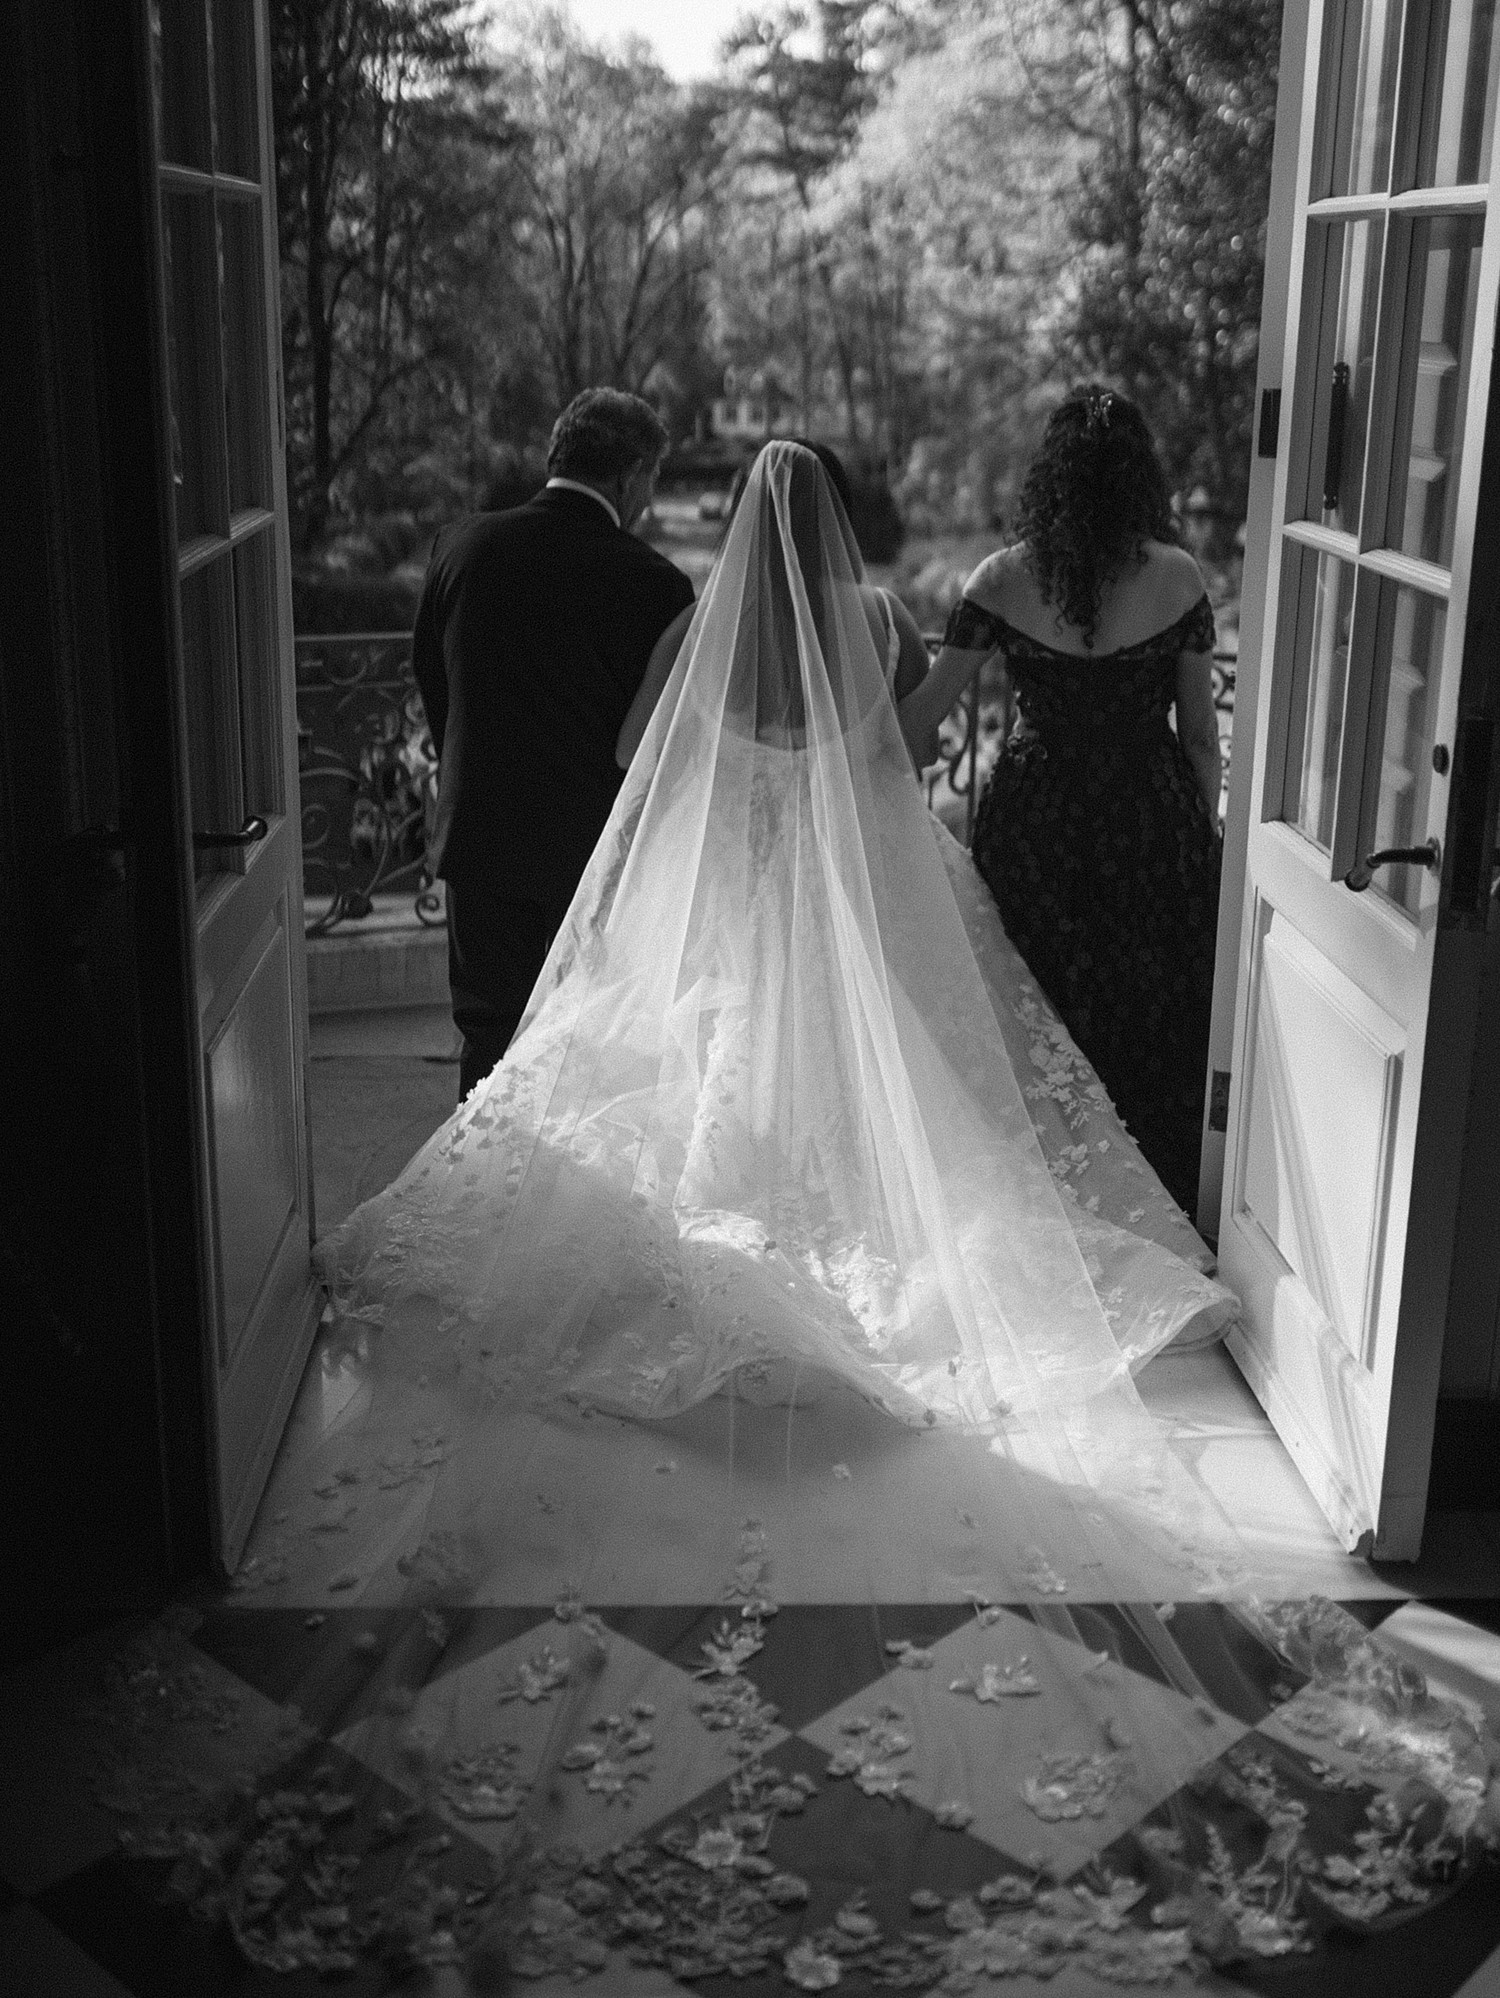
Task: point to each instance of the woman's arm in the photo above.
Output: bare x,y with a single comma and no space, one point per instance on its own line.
912,660
658,672
1198,725
968,643
971,638
922,712
913,663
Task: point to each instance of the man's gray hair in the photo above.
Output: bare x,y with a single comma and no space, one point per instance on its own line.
603,433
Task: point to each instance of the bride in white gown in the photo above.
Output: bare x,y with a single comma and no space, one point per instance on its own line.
785,1104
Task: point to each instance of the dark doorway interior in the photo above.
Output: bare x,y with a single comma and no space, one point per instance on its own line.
101,1442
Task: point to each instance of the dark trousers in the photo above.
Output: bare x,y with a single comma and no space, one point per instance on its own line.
496,947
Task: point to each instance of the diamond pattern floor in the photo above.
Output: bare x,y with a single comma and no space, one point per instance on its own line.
608,1545
1195,1683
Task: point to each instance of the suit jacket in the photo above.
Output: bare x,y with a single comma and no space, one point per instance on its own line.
531,640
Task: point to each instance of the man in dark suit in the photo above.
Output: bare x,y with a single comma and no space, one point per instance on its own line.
531,639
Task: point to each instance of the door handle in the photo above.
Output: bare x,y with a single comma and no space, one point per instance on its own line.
1338,414
250,832
1359,878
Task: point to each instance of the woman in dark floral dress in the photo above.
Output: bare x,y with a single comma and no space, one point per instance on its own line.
1098,831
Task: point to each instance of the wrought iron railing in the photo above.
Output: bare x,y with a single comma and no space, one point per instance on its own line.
369,770
369,777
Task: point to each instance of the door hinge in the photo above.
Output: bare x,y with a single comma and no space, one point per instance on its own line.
1270,423
1218,1100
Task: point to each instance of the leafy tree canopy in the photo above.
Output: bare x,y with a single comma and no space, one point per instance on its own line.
912,221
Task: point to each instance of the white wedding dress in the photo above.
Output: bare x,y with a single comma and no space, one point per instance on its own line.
785,1106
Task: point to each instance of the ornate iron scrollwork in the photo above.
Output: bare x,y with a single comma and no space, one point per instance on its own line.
369,777
369,770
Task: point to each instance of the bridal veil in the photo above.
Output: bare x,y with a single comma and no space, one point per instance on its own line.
759,1119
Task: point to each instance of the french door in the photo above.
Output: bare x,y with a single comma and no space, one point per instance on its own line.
1372,793
215,188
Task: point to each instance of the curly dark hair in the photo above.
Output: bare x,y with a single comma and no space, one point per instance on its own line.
1094,495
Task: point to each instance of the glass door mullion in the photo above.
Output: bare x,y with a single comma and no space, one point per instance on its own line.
1348,843
1292,606
1414,201
1384,382
198,552
1441,201
1444,633
1326,540
1395,772
1348,786
1396,618
248,521
1348,208
184,179
1450,142
199,180
1408,571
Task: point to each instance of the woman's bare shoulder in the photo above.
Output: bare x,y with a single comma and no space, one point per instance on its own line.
993,581
1175,574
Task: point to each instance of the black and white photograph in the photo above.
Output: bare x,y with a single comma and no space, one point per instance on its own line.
750,998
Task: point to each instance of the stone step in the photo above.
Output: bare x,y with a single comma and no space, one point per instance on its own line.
390,958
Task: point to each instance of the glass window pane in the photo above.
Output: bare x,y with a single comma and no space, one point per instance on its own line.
1411,637
193,366
179,67
1358,91
246,364
1436,346
1319,682
1348,275
211,679
258,653
1458,115
236,94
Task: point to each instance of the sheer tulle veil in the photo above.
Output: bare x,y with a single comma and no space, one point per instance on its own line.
759,1128
759,1118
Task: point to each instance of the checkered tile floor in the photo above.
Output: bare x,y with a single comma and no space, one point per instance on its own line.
80,1918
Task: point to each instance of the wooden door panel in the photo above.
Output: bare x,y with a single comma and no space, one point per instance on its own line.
1323,1085
222,366
231,914
1298,1241
258,1148
252,1076
1289,880
256,1392
1319,1399
1349,1038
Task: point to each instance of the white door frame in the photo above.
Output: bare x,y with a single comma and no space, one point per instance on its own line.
1271,423
1361,1431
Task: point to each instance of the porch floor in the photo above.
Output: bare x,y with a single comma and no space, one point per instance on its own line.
613,1559
381,1084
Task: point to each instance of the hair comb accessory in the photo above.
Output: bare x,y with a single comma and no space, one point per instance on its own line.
1098,411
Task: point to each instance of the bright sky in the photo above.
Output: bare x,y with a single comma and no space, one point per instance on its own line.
686,33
